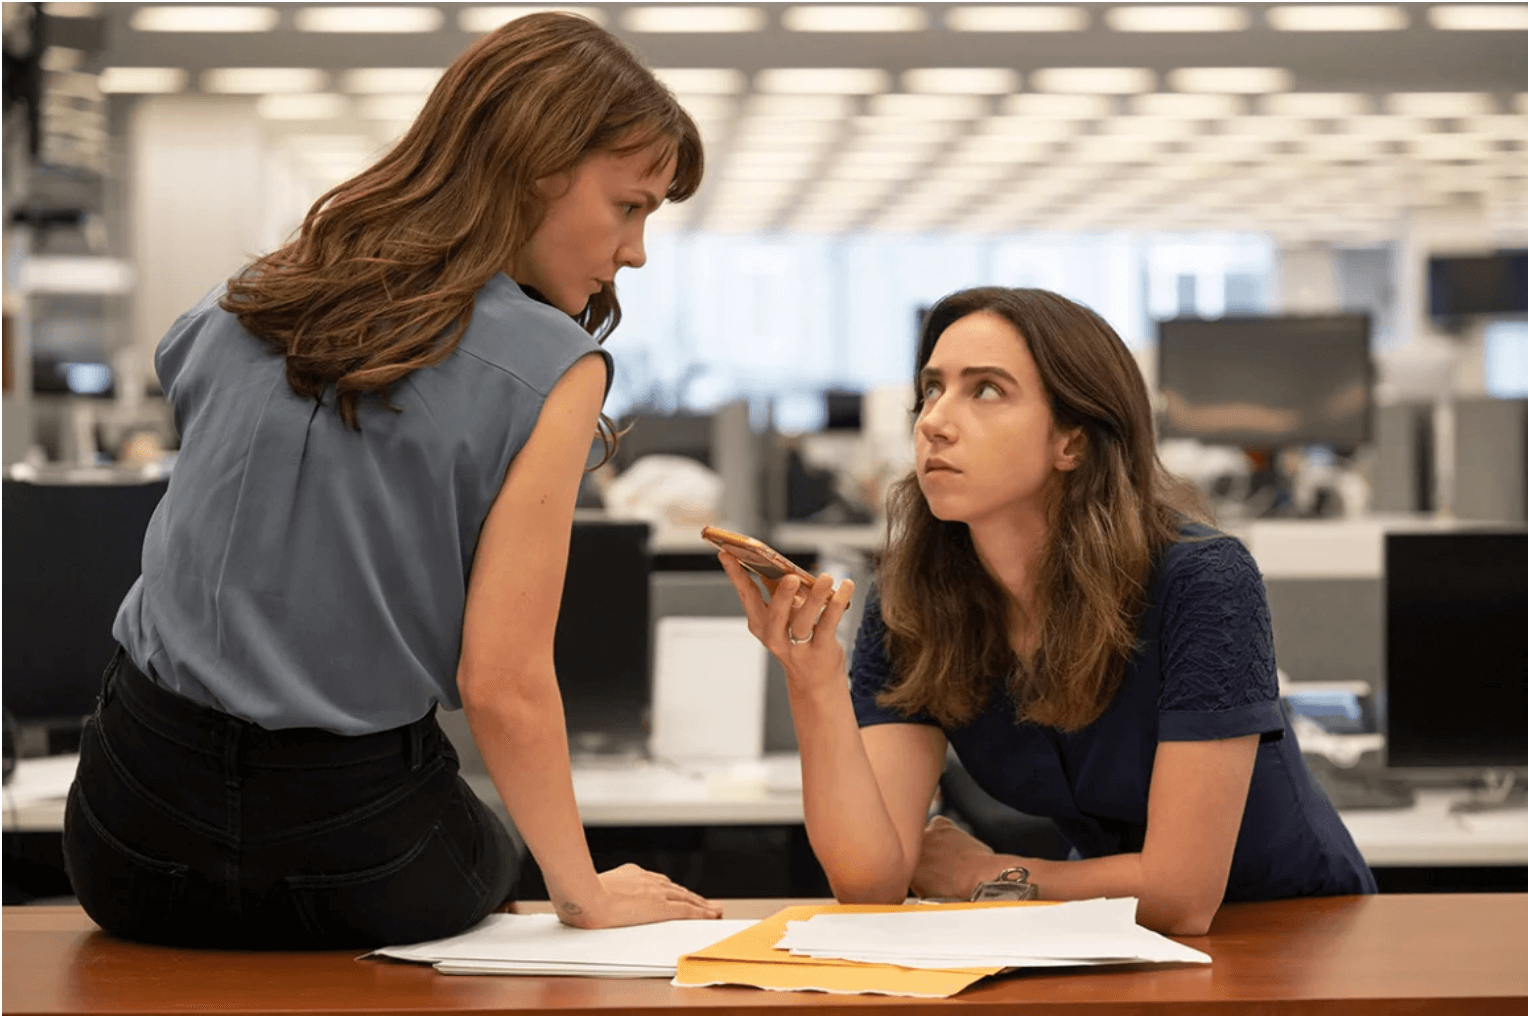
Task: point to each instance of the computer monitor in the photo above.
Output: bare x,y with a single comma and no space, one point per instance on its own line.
602,650
72,551
1456,657
1267,382
648,433
1483,284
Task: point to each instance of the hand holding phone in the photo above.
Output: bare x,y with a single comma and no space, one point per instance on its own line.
758,557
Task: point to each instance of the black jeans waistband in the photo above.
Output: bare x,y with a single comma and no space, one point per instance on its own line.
202,728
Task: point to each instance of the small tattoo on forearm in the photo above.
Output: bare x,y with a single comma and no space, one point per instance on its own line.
572,908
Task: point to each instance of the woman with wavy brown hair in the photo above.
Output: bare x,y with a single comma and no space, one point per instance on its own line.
1054,606
383,428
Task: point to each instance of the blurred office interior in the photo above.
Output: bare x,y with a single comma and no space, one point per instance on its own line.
1314,205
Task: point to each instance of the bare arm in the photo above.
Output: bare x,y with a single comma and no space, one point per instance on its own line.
1193,813
865,792
506,677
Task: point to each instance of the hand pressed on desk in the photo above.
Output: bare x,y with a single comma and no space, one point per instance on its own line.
634,895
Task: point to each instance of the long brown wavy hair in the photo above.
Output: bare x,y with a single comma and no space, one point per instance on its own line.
381,277
947,618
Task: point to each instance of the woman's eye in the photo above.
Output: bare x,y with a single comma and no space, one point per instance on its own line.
930,391
988,390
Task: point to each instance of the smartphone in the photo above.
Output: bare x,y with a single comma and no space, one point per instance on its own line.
758,557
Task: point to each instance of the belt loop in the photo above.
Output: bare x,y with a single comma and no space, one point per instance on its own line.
112,667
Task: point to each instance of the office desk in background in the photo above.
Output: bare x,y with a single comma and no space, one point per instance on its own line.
1424,955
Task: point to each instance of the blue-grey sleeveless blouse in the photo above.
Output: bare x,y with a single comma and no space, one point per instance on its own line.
299,573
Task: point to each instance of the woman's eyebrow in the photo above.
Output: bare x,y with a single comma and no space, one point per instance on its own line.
928,374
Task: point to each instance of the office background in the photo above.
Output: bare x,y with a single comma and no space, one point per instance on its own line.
1154,161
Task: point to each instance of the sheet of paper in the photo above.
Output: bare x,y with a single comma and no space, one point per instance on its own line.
540,944
1086,931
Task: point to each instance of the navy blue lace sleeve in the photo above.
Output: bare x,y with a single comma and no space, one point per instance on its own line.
870,671
1219,679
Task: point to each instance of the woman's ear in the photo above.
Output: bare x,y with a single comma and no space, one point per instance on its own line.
1070,446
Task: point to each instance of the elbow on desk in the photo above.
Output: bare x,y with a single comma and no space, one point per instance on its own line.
1177,916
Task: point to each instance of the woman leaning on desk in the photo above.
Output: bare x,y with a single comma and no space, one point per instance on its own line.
1053,604
383,427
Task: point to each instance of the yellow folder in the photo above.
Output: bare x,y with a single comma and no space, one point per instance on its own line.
750,958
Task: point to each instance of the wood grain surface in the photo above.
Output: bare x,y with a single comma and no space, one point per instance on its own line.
1353,956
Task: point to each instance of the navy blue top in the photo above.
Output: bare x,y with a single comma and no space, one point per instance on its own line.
298,573
1203,670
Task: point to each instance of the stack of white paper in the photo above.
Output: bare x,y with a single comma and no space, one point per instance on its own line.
1086,932
540,945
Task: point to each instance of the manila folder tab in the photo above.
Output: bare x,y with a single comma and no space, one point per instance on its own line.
750,958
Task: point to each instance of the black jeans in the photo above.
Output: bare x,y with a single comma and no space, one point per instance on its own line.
186,826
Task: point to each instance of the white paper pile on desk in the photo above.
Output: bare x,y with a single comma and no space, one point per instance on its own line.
1082,933
540,945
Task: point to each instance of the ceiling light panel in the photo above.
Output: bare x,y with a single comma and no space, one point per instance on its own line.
822,80
204,18
389,80
703,80
1315,104
1235,80
1027,128
313,106
1449,147
854,18
142,80
886,129
1176,18
1394,127
1158,128
928,107
1016,18
1337,18
1093,80
391,107
1449,104
802,107
479,20
1059,107
1206,105
263,80
361,18
961,80
694,18
1479,17
707,107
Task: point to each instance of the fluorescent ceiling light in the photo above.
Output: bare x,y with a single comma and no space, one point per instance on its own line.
390,80
822,80
929,107
961,80
854,18
1316,104
1025,127
392,107
694,18
1239,80
703,80
1279,128
1387,126
478,20
889,129
1479,17
1452,146
1160,128
1337,18
804,107
707,107
963,173
1059,107
1176,18
142,80
1204,105
262,80
203,18
1093,80
314,106
367,18
67,10
779,132
1016,18
1440,103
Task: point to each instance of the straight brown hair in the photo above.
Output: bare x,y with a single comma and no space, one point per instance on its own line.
947,618
380,279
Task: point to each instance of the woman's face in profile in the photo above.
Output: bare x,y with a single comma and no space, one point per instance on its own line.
986,441
593,227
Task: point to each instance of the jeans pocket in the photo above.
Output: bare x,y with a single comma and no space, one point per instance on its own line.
126,892
423,893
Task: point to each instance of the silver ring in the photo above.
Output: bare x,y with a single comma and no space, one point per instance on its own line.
794,640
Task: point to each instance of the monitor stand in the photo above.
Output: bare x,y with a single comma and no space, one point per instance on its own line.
1502,790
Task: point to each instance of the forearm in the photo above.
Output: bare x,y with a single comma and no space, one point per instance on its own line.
1165,905
846,818
524,743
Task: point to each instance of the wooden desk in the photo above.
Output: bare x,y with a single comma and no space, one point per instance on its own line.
1346,956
